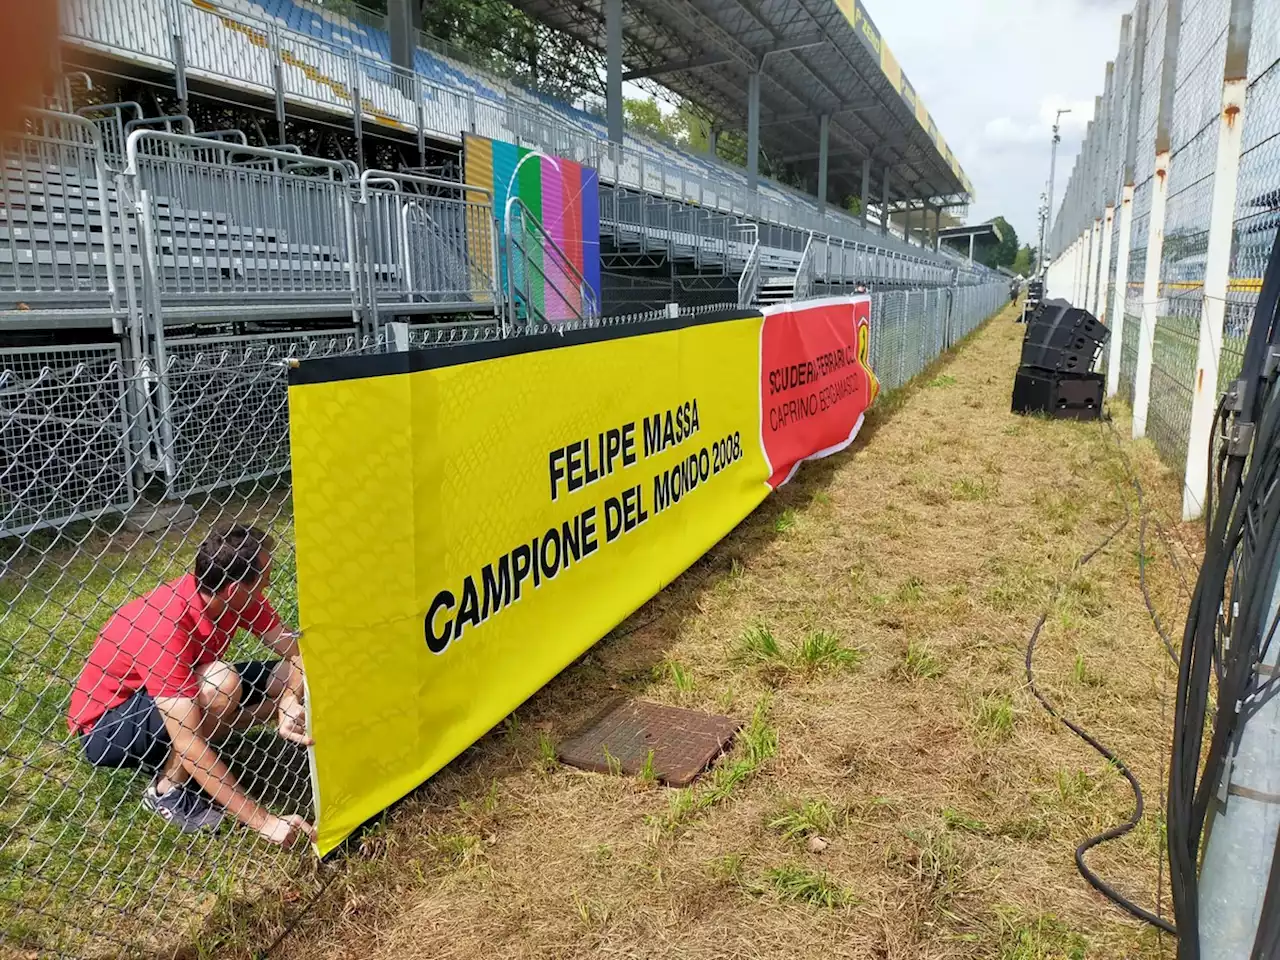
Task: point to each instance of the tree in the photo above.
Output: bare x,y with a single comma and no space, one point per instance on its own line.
644,116
1003,253
496,36
1024,262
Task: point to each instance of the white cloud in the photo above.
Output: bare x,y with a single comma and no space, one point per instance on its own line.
993,73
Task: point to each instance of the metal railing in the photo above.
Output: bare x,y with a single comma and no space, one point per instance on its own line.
1170,211
544,285
806,272
210,42
749,283
430,245
58,245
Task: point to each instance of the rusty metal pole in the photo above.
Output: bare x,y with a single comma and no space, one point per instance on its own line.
1155,228
1217,268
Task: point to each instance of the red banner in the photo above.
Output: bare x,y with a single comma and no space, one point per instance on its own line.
815,380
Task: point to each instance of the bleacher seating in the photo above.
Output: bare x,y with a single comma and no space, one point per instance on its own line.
335,28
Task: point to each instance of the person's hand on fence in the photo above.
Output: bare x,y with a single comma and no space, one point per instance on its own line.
293,721
285,831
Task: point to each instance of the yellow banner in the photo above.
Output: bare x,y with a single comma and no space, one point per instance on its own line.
527,501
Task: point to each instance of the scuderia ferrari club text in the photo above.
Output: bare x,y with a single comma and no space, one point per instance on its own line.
572,469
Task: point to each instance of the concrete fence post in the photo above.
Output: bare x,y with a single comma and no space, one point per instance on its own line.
1217,267
1155,228
1117,317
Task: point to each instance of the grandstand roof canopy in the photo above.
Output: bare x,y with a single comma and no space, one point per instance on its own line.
979,231
814,56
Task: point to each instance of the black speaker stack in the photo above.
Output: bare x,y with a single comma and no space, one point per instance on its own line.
1031,305
1059,350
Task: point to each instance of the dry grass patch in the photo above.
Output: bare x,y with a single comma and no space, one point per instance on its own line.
868,624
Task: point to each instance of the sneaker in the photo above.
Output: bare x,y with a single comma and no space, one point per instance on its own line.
185,807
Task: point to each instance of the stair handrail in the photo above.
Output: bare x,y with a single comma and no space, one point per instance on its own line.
482,277
806,271
749,282
587,296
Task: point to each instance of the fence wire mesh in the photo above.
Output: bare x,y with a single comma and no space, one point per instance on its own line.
1197,82
118,466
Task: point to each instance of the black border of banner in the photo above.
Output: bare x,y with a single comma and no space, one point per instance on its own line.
435,357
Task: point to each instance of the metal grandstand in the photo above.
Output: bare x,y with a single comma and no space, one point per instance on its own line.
127,221
819,79
306,60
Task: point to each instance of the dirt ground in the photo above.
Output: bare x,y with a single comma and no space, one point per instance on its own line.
898,793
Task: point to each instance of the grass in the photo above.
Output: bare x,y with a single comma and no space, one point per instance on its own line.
974,491
935,864
797,884
758,645
951,803
911,590
786,520
816,651
548,758
1083,675
801,821
993,717
822,650
956,820
678,674
919,662
1043,937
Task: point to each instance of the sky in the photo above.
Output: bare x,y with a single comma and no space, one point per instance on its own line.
992,73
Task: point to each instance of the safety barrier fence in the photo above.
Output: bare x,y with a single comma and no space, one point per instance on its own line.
85,870
1170,212
191,228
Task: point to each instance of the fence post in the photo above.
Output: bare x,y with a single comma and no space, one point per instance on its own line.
1104,264
420,114
398,336
1136,66
1122,289
277,79
357,108
1217,267
1077,270
179,54
152,305
1155,229
1091,266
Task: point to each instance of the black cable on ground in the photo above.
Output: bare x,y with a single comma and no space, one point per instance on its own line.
1110,755
1136,483
296,920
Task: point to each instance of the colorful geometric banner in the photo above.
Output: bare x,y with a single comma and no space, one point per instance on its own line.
564,197
470,519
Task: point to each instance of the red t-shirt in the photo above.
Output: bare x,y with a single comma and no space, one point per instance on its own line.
156,643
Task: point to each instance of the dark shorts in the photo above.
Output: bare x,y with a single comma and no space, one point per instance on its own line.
133,734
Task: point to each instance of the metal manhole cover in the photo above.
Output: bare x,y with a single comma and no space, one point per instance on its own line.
684,742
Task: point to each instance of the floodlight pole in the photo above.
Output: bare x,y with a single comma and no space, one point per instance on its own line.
1053,164
1043,213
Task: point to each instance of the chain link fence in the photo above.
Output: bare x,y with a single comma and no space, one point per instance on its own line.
103,498
1186,104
